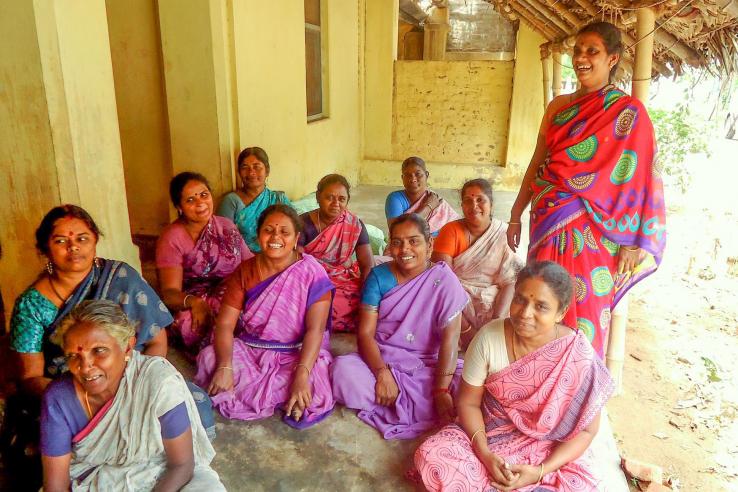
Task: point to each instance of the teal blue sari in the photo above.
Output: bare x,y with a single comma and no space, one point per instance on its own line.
246,216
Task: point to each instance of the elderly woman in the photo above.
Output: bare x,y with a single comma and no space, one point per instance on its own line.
530,399
245,205
417,198
405,373
339,241
68,236
271,346
596,196
193,256
476,249
119,420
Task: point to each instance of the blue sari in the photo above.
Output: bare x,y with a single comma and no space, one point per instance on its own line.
121,283
246,216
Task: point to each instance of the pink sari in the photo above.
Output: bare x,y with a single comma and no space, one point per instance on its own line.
440,215
267,343
545,398
334,248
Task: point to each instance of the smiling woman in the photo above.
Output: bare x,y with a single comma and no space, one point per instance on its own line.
194,254
530,399
112,397
403,379
271,346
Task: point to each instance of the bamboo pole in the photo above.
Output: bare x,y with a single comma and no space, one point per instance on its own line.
646,20
548,14
546,65
556,55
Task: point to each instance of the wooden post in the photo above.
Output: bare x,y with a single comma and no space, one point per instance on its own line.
643,53
556,55
436,31
546,65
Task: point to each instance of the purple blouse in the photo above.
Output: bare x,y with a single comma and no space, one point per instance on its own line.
62,418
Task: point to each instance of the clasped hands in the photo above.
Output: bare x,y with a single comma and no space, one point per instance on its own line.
505,476
386,392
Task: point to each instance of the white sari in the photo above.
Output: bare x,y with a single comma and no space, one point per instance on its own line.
483,269
124,451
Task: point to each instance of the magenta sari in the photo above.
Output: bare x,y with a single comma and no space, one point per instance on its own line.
215,255
544,398
410,326
267,343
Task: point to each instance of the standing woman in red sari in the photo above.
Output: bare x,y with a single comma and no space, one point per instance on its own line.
339,240
595,191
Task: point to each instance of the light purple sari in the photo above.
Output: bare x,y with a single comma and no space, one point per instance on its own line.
267,343
215,255
410,326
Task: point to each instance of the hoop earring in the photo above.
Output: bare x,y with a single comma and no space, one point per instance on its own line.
179,212
50,268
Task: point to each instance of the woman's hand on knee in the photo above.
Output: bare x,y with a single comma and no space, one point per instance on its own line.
386,389
444,404
222,381
300,395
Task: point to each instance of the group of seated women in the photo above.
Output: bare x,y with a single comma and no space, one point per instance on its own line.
257,290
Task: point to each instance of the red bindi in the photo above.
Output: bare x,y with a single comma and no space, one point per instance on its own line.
79,349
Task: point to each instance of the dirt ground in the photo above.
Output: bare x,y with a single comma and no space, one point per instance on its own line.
680,403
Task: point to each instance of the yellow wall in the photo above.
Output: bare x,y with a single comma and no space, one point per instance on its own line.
139,90
270,74
58,130
526,109
452,111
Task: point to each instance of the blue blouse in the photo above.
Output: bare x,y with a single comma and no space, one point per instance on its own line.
396,204
379,281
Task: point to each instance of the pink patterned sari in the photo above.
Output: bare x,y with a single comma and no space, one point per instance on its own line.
267,343
334,248
544,398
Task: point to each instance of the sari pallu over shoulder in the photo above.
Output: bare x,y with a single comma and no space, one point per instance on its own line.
121,283
601,165
546,397
123,449
266,346
247,217
411,317
334,248
482,268
441,211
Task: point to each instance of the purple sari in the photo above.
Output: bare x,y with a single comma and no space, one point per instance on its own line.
410,326
267,343
215,255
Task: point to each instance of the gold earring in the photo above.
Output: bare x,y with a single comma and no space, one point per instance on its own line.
127,358
50,268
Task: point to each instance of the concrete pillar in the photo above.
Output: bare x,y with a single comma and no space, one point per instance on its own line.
380,53
59,135
643,53
436,31
546,64
556,54
196,37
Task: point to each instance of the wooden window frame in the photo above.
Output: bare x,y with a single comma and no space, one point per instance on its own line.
323,114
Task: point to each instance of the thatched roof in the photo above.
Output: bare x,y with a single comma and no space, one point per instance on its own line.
698,33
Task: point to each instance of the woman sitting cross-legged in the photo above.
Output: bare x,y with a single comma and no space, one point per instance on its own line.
244,206
120,420
193,256
271,346
476,249
338,240
530,400
405,373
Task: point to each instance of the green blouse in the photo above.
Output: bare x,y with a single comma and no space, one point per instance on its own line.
32,314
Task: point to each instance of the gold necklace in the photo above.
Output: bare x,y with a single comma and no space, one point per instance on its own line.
87,402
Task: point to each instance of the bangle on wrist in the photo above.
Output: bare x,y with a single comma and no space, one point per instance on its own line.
375,370
630,248
226,367
303,366
512,222
540,476
440,391
184,301
475,435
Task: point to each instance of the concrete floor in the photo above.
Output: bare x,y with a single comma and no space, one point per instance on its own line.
341,453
